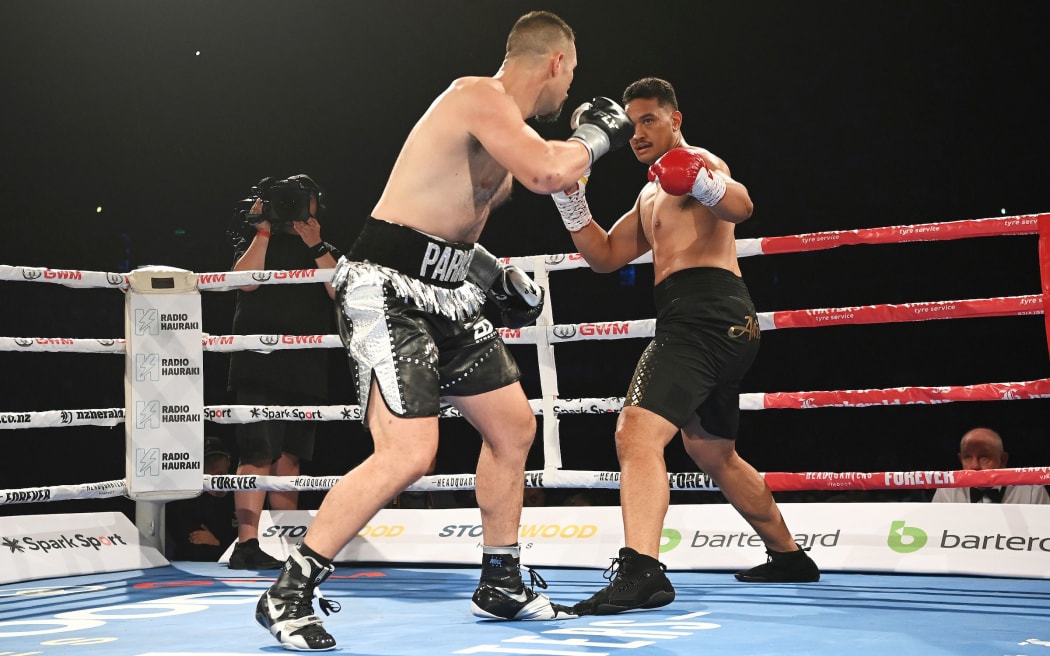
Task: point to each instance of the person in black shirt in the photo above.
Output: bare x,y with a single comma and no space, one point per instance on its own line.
284,235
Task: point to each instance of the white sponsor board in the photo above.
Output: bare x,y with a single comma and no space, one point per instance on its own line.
979,539
49,546
164,385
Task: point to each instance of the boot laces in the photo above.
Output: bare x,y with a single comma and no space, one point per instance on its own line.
327,605
535,580
300,604
616,567
770,555
613,570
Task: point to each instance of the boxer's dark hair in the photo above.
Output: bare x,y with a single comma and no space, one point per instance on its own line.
652,87
536,33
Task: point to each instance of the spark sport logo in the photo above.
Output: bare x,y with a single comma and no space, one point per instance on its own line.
259,412
211,414
62,542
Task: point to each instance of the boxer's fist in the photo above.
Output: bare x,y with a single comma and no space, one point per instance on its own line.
683,171
518,297
601,125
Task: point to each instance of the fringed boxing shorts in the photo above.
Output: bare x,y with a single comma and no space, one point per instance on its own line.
411,321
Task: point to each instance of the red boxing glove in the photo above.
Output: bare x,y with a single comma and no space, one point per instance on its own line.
683,171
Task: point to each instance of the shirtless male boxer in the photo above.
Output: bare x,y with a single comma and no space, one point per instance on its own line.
410,295
688,378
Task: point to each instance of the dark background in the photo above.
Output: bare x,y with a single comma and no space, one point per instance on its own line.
835,115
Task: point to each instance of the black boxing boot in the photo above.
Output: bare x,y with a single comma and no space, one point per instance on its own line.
249,555
286,608
501,594
635,581
780,567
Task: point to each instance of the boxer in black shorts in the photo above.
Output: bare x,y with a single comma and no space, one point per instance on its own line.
706,339
412,326
688,379
416,328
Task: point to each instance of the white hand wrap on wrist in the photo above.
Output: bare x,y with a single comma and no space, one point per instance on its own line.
575,213
709,190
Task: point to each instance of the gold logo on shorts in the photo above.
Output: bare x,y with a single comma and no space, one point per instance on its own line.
750,328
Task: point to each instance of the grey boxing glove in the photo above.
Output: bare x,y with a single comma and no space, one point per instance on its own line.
601,125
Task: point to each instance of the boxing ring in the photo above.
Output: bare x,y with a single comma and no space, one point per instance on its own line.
875,608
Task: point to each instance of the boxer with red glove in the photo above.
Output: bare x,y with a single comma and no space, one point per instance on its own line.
688,379
681,171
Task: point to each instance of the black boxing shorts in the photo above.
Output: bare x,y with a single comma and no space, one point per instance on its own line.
706,338
410,321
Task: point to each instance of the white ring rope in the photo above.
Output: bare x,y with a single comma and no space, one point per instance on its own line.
1024,224
1001,306
246,414
545,334
560,478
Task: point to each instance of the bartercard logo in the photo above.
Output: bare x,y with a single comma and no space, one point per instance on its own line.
669,539
905,539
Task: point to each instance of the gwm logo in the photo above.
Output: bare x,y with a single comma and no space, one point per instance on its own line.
905,539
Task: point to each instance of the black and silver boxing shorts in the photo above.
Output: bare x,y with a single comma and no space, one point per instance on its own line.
706,338
410,320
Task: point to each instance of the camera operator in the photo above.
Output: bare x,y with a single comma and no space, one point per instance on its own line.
277,229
